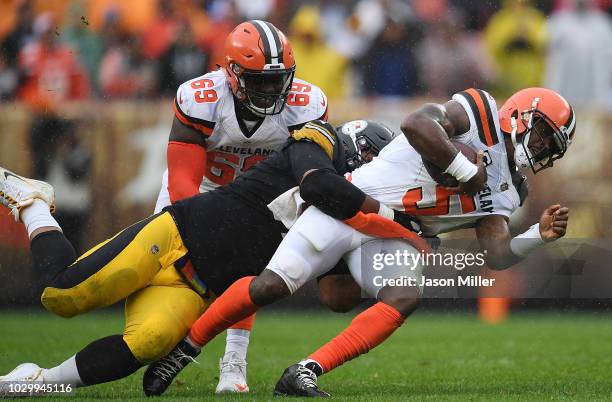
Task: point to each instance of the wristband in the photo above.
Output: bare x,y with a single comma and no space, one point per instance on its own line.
461,168
526,242
385,211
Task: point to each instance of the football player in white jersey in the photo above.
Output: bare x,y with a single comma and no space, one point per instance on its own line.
225,122
532,129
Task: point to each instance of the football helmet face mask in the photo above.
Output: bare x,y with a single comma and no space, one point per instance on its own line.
363,140
541,124
260,66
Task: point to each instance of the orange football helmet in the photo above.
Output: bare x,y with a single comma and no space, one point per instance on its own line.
260,66
541,124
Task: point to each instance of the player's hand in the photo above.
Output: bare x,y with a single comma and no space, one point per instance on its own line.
553,222
406,221
477,183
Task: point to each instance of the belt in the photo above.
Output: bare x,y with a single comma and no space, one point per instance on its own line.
187,271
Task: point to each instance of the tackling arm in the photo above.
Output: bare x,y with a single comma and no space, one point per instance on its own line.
186,161
321,186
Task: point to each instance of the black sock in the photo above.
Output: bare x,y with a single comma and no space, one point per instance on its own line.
107,359
51,253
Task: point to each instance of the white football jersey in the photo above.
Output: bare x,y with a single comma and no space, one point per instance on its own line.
398,178
206,104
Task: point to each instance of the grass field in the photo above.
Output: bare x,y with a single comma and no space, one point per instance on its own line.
433,357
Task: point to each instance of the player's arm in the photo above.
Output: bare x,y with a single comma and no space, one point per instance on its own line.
503,250
429,129
323,187
186,161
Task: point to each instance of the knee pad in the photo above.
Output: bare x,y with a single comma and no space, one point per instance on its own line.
60,302
292,268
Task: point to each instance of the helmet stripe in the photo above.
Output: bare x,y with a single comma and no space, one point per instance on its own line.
264,40
571,123
271,44
279,43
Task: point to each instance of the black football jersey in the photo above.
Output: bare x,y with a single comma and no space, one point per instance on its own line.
230,232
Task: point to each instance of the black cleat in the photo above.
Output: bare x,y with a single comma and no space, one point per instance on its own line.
161,373
299,380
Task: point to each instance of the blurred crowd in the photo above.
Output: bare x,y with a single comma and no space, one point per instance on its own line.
57,51
52,51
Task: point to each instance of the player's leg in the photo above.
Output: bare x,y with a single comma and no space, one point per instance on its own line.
110,271
338,290
157,318
152,246
233,365
369,328
298,256
98,278
29,201
89,366
313,246
105,274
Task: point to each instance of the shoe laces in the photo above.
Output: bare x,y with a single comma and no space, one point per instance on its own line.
35,376
233,363
11,189
306,377
171,365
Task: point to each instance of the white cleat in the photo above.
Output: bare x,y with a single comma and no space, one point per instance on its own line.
17,192
26,373
232,375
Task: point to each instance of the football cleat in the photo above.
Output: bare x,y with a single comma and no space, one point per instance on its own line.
161,373
24,373
299,380
17,192
232,374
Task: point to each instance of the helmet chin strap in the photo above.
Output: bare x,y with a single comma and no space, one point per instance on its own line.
522,154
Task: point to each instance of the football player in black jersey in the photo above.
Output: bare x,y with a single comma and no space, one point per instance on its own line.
172,265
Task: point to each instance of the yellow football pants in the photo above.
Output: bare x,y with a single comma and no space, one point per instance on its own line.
137,265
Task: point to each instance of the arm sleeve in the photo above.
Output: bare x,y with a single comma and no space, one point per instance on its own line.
305,155
324,188
186,164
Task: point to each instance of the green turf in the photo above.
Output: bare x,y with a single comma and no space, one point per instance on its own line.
433,357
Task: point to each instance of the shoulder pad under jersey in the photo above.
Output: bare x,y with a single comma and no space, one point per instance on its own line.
305,102
197,102
319,132
482,112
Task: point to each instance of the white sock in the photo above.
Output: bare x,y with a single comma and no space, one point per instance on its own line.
237,341
313,365
192,343
37,216
65,373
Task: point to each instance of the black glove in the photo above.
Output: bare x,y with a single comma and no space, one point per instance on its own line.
406,221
